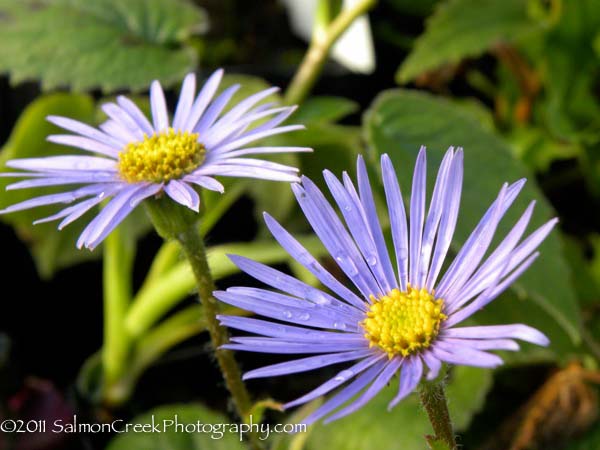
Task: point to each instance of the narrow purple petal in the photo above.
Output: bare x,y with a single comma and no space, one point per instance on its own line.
412,371
111,215
380,382
158,106
49,199
397,215
433,364
202,100
383,262
288,332
202,124
84,130
204,181
515,331
186,98
347,393
286,308
247,139
84,144
478,344
359,230
489,294
183,194
67,163
467,357
270,345
305,364
62,180
417,215
136,114
300,254
335,237
488,271
341,377
448,219
433,217
124,119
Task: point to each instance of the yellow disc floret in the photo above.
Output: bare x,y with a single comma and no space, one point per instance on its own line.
161,157
403,323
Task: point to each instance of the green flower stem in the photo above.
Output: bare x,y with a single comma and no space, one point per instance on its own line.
157,297
433,399
173,221
118,261
322,40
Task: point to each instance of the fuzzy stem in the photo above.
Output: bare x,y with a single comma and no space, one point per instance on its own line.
173,221
320,45
433,399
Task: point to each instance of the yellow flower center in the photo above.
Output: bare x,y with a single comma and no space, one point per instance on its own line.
403,323
161,157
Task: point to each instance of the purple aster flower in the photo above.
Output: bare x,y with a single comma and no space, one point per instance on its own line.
136,159
403,315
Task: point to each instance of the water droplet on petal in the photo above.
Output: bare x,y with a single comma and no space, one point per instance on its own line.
346,264
304,316
287,314
372,260
343,375
316,296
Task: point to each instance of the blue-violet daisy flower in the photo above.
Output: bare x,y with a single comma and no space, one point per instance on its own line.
398,319
136,158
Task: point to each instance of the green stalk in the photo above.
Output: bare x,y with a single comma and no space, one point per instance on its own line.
322,40
118,261
433,399
173,221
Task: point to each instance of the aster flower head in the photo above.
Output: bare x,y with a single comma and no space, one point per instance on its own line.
136,158
402,314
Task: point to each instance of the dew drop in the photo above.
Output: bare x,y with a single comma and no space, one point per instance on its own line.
304,316
346,264
287,314
372,260
344,375
316,296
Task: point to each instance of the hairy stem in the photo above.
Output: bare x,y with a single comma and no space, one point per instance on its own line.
175,222
433,399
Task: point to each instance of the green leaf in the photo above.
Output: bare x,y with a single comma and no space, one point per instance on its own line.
465,28
214,437
102,43
50,248
324,109
399,121
405,426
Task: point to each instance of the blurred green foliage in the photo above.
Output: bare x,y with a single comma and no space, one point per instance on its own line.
513,82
